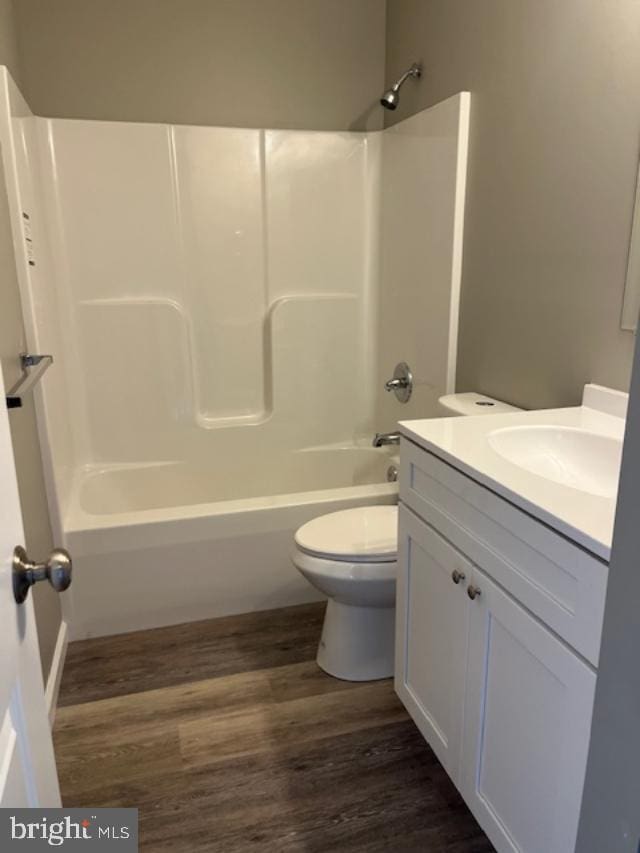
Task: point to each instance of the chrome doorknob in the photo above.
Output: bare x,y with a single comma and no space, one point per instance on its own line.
457,576
473,592
57,570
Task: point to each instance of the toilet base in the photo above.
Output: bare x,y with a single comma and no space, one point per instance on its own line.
357,643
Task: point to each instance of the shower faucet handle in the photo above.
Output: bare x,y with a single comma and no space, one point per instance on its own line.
392,384
401,383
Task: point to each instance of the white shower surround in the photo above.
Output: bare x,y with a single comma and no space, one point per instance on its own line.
212,300
214,297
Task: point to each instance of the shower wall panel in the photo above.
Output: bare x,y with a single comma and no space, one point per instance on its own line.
44,313
315,196
218,187
424,164
217,285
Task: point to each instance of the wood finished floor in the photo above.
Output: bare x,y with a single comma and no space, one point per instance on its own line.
227,737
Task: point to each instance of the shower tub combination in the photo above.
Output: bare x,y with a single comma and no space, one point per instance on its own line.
223,306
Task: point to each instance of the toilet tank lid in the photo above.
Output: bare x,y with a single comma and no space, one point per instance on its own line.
472,403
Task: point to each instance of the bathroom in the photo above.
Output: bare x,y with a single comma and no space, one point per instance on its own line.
275,249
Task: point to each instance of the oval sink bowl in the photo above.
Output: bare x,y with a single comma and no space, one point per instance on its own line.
574,457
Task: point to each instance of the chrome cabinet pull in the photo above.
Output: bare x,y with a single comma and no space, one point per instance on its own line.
457,576
473,592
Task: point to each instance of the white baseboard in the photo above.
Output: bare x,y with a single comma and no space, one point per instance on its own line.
55,672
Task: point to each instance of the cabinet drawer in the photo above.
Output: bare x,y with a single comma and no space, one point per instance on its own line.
554,578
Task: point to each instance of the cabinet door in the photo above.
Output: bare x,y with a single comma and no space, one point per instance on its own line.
527,719
431,636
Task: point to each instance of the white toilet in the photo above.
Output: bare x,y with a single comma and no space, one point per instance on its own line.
351,556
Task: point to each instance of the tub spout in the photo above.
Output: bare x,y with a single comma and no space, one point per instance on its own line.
382,438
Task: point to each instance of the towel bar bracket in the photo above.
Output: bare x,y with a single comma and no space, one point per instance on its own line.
33,368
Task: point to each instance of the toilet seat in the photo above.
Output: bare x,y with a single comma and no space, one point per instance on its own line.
363,535
347,570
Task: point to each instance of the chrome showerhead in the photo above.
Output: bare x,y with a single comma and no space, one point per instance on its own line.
391,97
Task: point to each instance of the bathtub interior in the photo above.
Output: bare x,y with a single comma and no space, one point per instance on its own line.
137,488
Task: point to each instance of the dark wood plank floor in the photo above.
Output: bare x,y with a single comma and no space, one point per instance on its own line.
227,737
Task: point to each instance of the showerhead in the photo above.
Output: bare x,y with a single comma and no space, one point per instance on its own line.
391,97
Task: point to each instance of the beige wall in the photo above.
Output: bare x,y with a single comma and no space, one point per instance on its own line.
8,40
37,527
555,134
315,64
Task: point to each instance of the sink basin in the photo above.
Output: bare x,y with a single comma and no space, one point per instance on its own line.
574,457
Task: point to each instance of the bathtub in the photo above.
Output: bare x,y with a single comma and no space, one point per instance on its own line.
164,543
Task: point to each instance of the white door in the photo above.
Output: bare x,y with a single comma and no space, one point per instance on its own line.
27,767
431,635
527,718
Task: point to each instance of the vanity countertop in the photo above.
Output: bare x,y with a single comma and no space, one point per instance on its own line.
468,444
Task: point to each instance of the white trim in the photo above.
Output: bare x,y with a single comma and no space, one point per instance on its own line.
464,114
55,672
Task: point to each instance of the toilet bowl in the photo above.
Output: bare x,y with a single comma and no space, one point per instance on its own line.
351,557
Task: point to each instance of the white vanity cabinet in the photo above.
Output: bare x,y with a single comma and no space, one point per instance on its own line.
491,609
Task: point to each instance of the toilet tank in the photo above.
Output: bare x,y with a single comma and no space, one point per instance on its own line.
471,403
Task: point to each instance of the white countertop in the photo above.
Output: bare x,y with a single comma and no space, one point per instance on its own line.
462,442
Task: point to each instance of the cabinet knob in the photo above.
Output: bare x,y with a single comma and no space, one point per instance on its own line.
457,576
473,592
